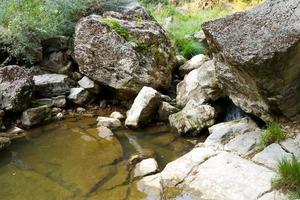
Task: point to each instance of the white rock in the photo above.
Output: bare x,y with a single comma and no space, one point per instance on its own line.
105,133
192,64
109,122
291,146
145,167
193,118
200,85
151,185
80,96
117,115
229,177
143,108
271,155
243,144
89,84
176,171
221,133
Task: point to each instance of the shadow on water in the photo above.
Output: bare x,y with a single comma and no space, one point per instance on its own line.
67,160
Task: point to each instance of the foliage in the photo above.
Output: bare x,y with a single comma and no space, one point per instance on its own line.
289,177
27,22
273,133
185,25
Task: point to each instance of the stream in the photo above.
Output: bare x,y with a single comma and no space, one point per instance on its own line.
68,160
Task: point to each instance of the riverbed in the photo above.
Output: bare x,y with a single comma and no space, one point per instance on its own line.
68,160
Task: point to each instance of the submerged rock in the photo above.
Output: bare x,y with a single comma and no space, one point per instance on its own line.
143,108
200,85
193,118
258,57
16,86
4,142
51,85
34,116
124,52
145,167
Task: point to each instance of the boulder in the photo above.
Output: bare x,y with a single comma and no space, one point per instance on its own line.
80,96
165,110
16,86
146,167
194,63
51,85
124,52
90,85
193,118
200,85
144,107
109,122
4,142
117,115
258,52
34,116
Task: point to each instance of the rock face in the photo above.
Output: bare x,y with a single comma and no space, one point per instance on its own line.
16,85
199,85
143,108
34,116
261,50
193,118
51,85
124,52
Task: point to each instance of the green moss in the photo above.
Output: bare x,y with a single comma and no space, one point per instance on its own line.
272,134
116,26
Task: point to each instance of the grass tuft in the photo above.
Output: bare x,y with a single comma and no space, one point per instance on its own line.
273,134
289,177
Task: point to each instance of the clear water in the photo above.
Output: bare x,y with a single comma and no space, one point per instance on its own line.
67,160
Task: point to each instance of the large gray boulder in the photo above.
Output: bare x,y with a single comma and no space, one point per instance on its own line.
193,118
259,55
16,85
124,52
144,107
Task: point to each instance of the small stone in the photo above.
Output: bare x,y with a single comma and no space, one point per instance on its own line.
180,60
80,96
105,133
80,110
90,85
117,115
271,155
59,101
192,64
60,116
76,76
109,122
200,36
34,116
145,167
15,131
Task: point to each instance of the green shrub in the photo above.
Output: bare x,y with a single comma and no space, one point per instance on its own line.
289,177
27,22
273,133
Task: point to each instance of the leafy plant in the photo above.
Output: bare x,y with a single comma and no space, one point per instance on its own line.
273,133
289,177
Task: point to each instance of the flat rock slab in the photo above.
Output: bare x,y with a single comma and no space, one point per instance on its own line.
221,133
271,155
229,177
